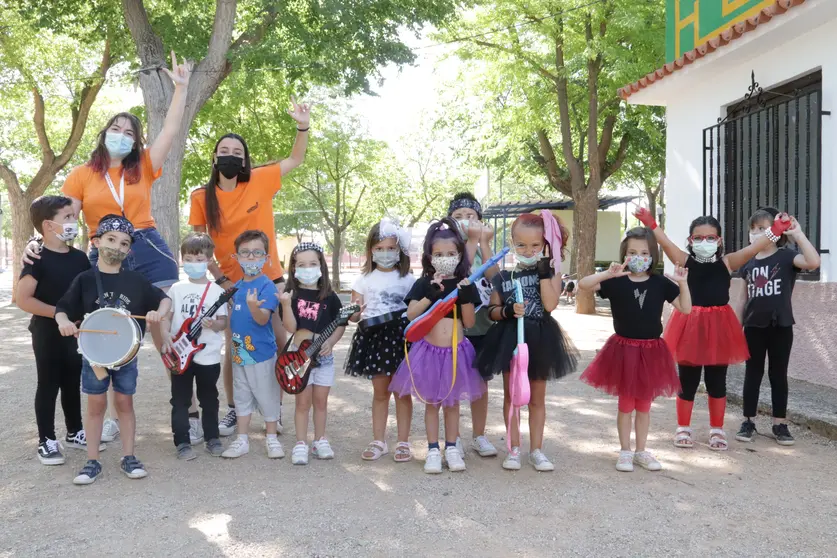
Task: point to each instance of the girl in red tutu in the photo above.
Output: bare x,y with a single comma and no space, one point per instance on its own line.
709,338
635,364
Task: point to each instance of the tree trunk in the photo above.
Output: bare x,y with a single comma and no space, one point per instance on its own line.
584,228
22,229
336,251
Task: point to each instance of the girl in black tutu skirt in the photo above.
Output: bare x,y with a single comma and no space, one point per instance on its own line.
378,344
551,353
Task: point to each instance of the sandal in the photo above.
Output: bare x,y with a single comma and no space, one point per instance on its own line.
683,437
374,451
402,452
718,439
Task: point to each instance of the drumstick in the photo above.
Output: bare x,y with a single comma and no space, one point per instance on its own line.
129,316
98,331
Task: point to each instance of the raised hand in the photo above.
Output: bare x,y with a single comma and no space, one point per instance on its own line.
253,299
618,270
646,218
284,298
680,275
487,234
300,112
474,231
793,227
179,73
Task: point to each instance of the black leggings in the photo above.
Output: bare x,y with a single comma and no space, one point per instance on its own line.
715,378
59,368
775,343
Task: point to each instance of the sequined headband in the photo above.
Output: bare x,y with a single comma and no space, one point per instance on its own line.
115,223
305,246
467,204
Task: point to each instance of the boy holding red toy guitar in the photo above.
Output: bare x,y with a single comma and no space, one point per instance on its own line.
191,299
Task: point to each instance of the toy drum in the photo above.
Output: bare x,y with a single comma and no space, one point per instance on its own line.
114,341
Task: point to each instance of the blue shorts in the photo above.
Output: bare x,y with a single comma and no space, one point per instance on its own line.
149,255
124,379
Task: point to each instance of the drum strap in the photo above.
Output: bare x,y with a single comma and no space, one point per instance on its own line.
99,287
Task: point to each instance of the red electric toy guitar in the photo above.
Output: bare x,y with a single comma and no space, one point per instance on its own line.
292,366
185,343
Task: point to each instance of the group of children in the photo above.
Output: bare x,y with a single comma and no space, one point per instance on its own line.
452,363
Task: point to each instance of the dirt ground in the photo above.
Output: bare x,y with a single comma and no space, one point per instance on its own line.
755,500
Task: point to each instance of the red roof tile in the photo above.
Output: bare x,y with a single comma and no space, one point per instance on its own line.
778,7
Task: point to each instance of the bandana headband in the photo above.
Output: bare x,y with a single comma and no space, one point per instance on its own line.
467,204
115,223
305,246
389,228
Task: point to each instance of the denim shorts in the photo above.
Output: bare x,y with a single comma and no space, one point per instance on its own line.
150,256
124,379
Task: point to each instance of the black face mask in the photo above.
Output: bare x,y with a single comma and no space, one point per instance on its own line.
229,165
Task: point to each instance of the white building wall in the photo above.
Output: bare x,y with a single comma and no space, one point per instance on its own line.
794,45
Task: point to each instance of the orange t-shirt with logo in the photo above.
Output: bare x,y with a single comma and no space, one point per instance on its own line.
248,207
91,188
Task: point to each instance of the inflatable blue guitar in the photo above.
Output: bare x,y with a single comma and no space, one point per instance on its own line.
422,325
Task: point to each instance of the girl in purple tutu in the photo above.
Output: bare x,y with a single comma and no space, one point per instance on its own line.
439,369
635,364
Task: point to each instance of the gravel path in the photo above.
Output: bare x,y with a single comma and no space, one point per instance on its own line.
755,500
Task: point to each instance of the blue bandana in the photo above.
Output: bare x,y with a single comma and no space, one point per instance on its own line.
115,223
466,203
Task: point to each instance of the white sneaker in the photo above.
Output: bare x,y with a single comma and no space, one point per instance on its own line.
625,462
110,430
512,460
299,455
226,426
540,462
433,461
454,459
274,447
645,460
79,440
240,446
483,447
195,431
460,447
322,449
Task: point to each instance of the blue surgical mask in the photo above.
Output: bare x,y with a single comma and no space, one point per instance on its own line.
252,268
308,275
195,270
118,144
528,260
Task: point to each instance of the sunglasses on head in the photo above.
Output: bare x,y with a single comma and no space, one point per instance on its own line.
708,238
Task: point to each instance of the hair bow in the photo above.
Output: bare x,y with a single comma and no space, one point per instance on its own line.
389,228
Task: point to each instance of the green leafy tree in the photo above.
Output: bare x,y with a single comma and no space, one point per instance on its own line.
555,66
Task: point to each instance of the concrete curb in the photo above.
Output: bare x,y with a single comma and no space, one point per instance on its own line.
810,405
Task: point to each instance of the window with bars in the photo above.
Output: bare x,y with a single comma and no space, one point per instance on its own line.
766,152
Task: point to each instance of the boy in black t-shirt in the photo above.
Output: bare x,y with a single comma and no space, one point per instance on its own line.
57,361
124,289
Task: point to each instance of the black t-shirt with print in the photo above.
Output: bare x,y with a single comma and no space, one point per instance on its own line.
637,306
423,288
770,283
311,313
531,286
127,290
54,273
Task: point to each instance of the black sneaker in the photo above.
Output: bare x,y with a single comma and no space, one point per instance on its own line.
214,447
185,452
92,470
783,435
746,432
132,467
227,425
49,452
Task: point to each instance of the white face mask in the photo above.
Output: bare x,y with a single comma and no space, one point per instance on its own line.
528,260
445,265
386,259
464,224
70,231
308,275
705,248
755,236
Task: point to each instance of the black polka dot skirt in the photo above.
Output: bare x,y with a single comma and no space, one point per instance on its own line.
377,352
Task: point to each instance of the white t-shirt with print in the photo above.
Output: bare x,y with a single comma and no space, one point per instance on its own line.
383,292
185,297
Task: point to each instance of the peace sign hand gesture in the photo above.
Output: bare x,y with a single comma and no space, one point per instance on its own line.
618,270
179,73
300,112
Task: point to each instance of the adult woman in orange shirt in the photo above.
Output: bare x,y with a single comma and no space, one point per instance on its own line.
118,179
237,198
